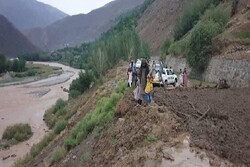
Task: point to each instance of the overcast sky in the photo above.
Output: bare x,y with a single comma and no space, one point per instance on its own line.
73,7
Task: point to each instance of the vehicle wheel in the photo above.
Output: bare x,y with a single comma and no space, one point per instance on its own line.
174,84
166,83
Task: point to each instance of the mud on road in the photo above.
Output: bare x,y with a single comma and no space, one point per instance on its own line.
217,120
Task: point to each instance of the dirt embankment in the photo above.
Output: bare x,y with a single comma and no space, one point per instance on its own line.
218,120
157,23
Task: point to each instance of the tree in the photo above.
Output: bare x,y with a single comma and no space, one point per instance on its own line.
2,63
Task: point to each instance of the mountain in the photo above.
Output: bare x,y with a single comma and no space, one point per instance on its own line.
157,23
27,14
13,42
76,29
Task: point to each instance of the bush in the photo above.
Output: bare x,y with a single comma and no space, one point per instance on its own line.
59,126
17,133
180,48
200,46
151,137
81,84
31,73
59,105
36,149
57,155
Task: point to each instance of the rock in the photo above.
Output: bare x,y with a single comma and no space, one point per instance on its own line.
74,157
4,158
13,155
167,156
2,118
121,120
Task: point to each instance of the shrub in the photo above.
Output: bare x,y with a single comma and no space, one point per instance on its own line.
151,137
31,73
69,143
59,126
201,44
180,48
57,155
59,105
81,84
36,149
17,133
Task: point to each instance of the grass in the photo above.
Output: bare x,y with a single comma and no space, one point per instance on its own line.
57,113
151,137
58,154
243,35
102,114
17,133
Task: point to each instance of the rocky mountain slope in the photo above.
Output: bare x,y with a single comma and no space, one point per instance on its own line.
27,14
76,29
13,42
156,24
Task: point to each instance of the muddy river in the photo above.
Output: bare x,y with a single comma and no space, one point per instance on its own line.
27,104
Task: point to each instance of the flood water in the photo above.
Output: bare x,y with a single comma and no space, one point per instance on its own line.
27,104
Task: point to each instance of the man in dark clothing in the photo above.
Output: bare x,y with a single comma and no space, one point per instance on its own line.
144,71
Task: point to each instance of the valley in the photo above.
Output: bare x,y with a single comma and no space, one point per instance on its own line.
27,104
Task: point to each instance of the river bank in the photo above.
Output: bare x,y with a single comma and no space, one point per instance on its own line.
27,103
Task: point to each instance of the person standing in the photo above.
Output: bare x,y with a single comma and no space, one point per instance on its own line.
180,80
185,78
137,91
129,73
149,89
143,73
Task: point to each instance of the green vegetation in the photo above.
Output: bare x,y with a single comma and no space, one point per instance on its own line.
243,35
196,46
17,133
151,137
180,48
59,126
8,65
81,84
190,16
58,154
102,114
200,47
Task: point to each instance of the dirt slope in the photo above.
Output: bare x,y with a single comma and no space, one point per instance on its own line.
156,24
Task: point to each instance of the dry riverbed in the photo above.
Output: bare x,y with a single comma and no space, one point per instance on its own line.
27,104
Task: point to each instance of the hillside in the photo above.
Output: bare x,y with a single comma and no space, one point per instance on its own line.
13,42
156,24
74,30
27,14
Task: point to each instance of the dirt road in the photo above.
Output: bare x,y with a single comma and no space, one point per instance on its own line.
27,104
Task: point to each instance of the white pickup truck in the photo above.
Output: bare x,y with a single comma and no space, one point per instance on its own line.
168,78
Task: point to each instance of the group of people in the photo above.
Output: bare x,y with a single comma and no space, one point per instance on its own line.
183,78
143,80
